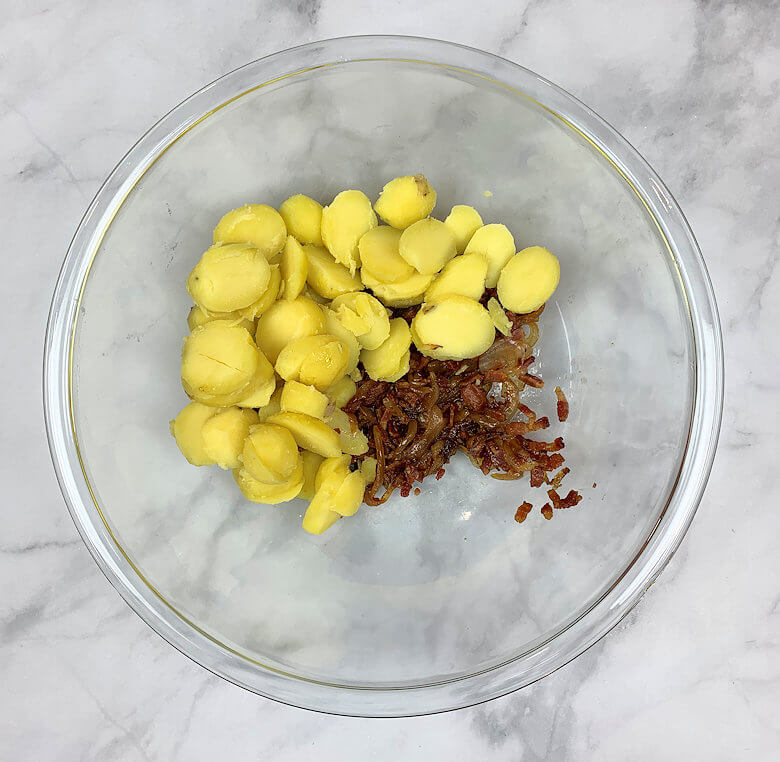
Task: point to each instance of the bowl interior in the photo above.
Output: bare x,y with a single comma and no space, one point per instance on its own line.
431,587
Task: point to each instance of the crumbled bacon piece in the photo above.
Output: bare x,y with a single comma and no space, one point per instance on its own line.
523,511
562,404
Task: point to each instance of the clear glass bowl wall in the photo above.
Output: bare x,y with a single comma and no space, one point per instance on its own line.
441,599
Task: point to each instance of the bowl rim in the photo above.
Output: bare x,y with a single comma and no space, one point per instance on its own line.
575,636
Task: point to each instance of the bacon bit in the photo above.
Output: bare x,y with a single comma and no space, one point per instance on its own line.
474,397
562,405
567,502
440,473
523,511
532,380
594,485
416,490
555,482
547,511
337,429
537,477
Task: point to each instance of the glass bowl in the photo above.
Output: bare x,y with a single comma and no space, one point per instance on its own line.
435,601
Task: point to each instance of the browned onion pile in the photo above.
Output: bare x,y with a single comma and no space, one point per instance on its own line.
415,425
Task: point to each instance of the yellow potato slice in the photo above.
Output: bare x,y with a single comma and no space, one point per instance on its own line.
344,221
270,453
464,275
364,316
319,518
261,387
334,327
405,200
528,279
264,303
187,430
342,391
427,246
270,494
310,433
218,358
384,362
454,328
368,469
257,224
286,321
273,406
303,217
224,435
497,244
326,276
319,361
463,221
379,253
228,277
405,293
301,398
198,317
498,316
311,464
352,441
294,269
338,488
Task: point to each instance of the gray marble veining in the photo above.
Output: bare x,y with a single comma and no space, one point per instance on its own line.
691,672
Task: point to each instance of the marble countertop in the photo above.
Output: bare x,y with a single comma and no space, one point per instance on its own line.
691,673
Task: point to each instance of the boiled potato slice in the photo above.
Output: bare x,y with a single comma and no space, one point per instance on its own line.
368,469
498,316
497,244
405,293
342,391
218,358
198,317
334,327
427,246
259,492
528,279
270,453
464,275
319,361
351,440
257,224
224,435
405,200
344,221
273,407
310,433
454,328
319,518
301,398
364,316
261,387
384,362
463,221
229,277
187,430
267,299
379,253
326,276
303,217
294,269
286,321
337,488
311,464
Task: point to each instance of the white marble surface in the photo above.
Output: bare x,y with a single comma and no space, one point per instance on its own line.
693,672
